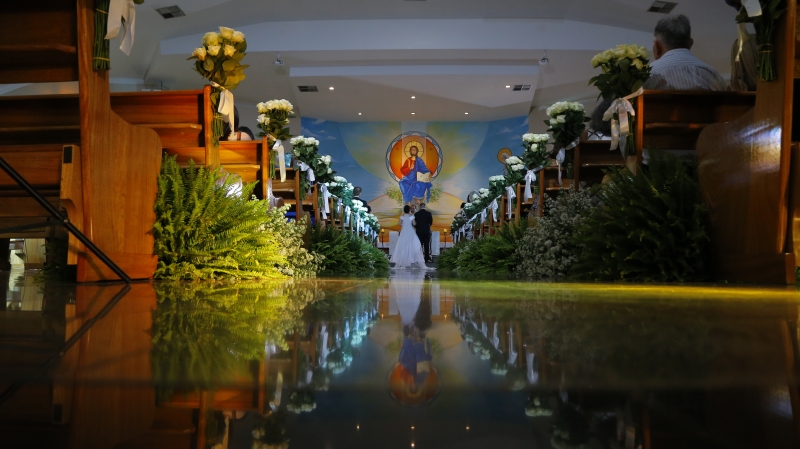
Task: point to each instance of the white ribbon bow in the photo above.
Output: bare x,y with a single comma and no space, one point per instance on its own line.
622,107
529,177
325,197
306,168
281,162
494,206
562,155
225,104
347,215
510,195
117,11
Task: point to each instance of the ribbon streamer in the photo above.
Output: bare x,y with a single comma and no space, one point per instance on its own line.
281,159
306,168
622,107
753,7
562,155
744,36
483,216
510,195
325,197
529,177
494,206
225,104
119,10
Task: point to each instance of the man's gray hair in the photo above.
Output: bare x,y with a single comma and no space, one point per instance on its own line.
422,205
674,32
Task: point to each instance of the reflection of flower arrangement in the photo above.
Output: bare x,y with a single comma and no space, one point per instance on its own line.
570,428
270,432
567,122
273,119
301,401
219,61
538,405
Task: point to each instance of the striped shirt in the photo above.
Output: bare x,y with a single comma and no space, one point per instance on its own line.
678,69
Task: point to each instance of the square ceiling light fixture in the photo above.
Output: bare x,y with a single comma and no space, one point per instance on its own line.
170,12
662,7
522,87
307,88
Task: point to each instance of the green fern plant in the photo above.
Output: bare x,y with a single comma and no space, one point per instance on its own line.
204,232
490,254
653,226
346,253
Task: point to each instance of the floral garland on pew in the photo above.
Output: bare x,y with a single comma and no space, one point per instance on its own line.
342,190
273,119
535,158
219,61
567,122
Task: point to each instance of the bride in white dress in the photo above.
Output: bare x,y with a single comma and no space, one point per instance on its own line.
408,249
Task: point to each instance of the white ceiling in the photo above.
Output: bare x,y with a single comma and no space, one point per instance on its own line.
456,56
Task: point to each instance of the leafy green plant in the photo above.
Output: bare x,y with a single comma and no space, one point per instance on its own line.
547,250
491,254
204,231
653,225
345,252
765,24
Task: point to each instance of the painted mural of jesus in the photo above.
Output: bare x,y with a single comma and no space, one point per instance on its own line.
411,186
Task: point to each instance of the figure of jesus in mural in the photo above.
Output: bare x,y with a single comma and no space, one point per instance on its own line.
416,182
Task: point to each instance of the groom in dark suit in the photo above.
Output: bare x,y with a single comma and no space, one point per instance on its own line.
423,220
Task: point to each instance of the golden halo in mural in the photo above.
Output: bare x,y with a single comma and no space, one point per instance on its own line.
503,154
420,148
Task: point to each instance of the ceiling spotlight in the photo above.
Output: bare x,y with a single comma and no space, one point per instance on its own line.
359,113
413,97
466,113
278,60
544,60
330,88
508,87
413,113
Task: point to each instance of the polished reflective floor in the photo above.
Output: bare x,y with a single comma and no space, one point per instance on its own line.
415,360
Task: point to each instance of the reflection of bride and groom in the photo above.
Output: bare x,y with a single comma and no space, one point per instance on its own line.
413,380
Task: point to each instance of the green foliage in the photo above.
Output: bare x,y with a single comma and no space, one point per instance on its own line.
765,24
345,252
202,232
547,250
653,226
491,254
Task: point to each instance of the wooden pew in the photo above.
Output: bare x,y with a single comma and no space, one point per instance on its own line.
750,177
110,158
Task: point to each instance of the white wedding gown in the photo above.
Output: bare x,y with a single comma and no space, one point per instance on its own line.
408,249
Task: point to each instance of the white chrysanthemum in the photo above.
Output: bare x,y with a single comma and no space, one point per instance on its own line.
518,167
497,178
297,140
513,160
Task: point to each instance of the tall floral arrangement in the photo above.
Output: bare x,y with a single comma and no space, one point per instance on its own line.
219,61
313,166
273,120
567,122
624,71
765,23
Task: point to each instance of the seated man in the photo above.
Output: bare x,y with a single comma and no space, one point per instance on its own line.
675,68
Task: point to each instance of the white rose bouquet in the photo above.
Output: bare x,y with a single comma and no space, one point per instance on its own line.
497,185
273,119
535,155
515,171
219,61
305,150
624,71
567,122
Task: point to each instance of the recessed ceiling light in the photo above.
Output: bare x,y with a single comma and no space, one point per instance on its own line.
359,113
508,87
413,97
331,88
466,113
413,113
